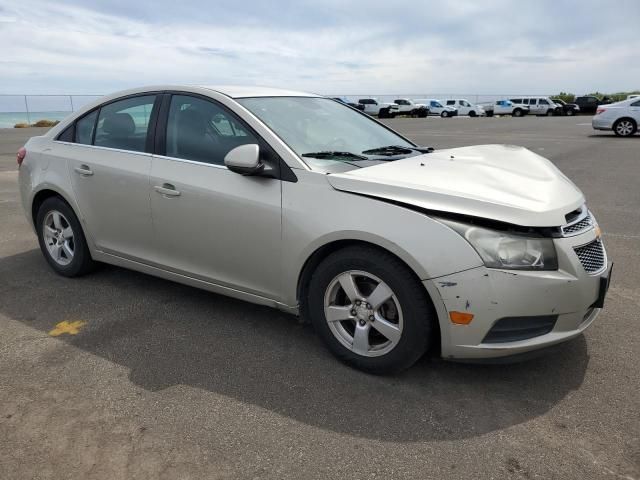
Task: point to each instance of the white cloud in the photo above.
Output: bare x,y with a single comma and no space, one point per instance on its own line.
453,47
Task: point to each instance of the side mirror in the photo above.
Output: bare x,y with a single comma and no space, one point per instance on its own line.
244,160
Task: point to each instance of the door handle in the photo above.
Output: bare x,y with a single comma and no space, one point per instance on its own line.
83,170
167,190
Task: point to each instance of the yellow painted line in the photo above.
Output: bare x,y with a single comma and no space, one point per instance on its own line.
71,328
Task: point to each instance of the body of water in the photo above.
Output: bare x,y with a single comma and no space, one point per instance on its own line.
9,119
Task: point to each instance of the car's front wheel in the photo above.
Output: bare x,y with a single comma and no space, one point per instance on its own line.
61,239
570,113
444,114
517,112
625,127
370,309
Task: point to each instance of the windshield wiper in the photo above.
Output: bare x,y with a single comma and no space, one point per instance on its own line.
397,150
328,154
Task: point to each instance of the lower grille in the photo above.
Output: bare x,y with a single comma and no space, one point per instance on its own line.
513,329
592,256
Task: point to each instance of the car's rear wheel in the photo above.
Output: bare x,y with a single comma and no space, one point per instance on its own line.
625,127
61,239
570,113
472,113
370,309
444,114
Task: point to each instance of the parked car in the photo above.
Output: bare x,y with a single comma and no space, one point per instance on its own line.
589,103
538,105
380,109
437,108
505,107
464,107
252,193
621,117
409,107
568,109
346,101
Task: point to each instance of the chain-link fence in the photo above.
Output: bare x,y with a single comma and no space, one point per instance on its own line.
29,109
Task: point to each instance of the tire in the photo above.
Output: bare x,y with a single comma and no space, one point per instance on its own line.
570,113
383,113
489,113
625,127
423,113
473,113
67,253
407,313
444,114
550,113
517,112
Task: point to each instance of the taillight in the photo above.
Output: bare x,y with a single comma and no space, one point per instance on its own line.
600,110
21,154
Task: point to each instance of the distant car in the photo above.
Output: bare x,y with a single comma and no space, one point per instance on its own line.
590,103
358,106
409,107
568,109
621,117
381,109
464,107
437,108
506,107
538,105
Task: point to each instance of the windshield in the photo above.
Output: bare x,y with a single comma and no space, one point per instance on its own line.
310,125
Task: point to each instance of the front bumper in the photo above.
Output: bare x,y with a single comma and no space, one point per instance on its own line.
568,296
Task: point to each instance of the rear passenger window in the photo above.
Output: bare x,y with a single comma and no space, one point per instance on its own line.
203,131
532,101
636,104
124,124
84,128
451,102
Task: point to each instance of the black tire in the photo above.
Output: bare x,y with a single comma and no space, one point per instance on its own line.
473,113
570,113
417,311
626,132
489,113
383,113
81,263
550,113
423,113
444,114
517,112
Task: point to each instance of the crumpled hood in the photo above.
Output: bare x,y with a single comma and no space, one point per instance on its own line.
500,182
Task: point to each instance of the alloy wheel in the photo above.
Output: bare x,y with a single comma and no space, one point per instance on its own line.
624,128
58,237
363,313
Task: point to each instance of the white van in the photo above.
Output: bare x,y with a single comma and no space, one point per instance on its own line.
539,105
464,107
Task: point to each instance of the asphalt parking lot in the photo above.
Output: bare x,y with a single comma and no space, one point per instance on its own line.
166,381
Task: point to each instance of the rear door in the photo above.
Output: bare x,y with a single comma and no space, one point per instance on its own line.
109,165
209,222
634,109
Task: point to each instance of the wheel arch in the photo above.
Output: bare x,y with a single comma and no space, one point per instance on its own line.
42,195
322,252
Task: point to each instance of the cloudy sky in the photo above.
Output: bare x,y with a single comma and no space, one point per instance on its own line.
331,47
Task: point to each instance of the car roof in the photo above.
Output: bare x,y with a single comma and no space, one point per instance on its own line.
244,91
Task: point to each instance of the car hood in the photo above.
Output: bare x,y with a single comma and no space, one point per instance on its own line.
499,182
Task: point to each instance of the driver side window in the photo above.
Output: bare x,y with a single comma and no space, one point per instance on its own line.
203,131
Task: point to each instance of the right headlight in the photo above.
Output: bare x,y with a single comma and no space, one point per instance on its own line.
508,250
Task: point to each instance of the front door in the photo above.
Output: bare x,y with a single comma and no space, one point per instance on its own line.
209,222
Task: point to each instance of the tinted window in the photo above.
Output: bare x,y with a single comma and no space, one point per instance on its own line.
203,131
124,124
516,100
543,102
533,101
451,102
67,134
636,104
84,128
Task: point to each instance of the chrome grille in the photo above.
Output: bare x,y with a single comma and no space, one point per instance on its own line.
592,256
579,226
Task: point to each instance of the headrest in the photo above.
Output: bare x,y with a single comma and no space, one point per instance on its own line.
192,121
119,124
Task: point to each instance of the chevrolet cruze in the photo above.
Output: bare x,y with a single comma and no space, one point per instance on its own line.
305,204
